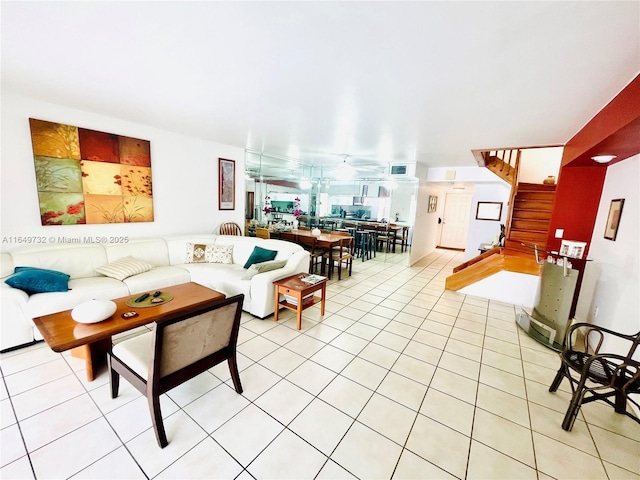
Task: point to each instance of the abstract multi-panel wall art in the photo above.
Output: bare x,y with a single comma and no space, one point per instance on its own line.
89,177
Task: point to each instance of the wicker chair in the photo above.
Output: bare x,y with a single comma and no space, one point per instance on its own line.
230,228
598,375
177,350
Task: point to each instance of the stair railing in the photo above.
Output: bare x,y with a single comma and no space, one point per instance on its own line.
512,195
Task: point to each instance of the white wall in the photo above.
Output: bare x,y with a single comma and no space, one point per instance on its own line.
484,231
611,280
509,287
536,164
462,174
425,228
184,170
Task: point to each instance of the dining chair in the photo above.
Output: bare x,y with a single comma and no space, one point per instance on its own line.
339,255
383,238
262,232
363,245
598,375
230,228
176,350
316,252
402,239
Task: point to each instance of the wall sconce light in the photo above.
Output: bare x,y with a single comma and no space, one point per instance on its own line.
603,158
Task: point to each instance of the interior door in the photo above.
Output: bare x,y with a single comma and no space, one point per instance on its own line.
455,220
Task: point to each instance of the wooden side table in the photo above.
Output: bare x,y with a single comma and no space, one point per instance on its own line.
293,286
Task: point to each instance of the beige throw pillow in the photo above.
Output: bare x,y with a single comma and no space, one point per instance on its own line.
124,267
262,267
204,253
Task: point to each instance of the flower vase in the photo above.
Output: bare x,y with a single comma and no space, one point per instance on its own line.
296,223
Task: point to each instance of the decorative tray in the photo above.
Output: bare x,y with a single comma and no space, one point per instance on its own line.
149,301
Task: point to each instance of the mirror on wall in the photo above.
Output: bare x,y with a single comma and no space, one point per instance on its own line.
324,193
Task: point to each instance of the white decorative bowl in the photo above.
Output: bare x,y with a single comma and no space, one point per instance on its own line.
316,232
93,311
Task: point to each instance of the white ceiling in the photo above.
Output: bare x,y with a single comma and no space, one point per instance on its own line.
389,81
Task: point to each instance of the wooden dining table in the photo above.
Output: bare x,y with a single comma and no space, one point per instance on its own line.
326,240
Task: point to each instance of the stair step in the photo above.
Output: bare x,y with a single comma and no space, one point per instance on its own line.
533,204
528,236
534,195
514,245
529,224
535,187
521,213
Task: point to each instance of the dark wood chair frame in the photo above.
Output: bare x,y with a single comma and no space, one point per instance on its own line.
156,384
341,254
599,375
316,253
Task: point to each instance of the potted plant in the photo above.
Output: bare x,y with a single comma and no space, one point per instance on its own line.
296,213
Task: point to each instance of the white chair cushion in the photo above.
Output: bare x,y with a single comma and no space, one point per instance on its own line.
136,353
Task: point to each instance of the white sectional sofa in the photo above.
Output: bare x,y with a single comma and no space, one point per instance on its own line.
167,256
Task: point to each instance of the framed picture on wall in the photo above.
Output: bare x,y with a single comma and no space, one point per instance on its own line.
227,184
433,204
613,220
489,211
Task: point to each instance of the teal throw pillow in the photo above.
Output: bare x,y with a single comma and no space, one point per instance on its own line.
38,280
260,255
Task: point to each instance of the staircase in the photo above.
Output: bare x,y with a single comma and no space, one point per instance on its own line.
530,216
528,220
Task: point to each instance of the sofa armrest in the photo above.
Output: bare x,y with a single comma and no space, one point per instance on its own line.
15,329
262,290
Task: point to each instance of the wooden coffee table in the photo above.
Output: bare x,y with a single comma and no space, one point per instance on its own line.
295,287
92,341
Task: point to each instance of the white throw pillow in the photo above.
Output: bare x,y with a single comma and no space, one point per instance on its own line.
204,253
124,267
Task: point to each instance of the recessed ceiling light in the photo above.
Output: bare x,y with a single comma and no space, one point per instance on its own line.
603,158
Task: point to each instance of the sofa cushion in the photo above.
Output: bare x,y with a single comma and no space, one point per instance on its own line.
150,250
224,278
124,267
157,278
38,280
80,290
259,255
257,268
77,260
208,253
6,265
216,275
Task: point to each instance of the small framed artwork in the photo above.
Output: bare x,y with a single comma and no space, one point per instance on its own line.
433,203
365,190
227,184
613,220
489,211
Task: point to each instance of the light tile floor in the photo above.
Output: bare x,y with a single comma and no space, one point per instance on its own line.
401,379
